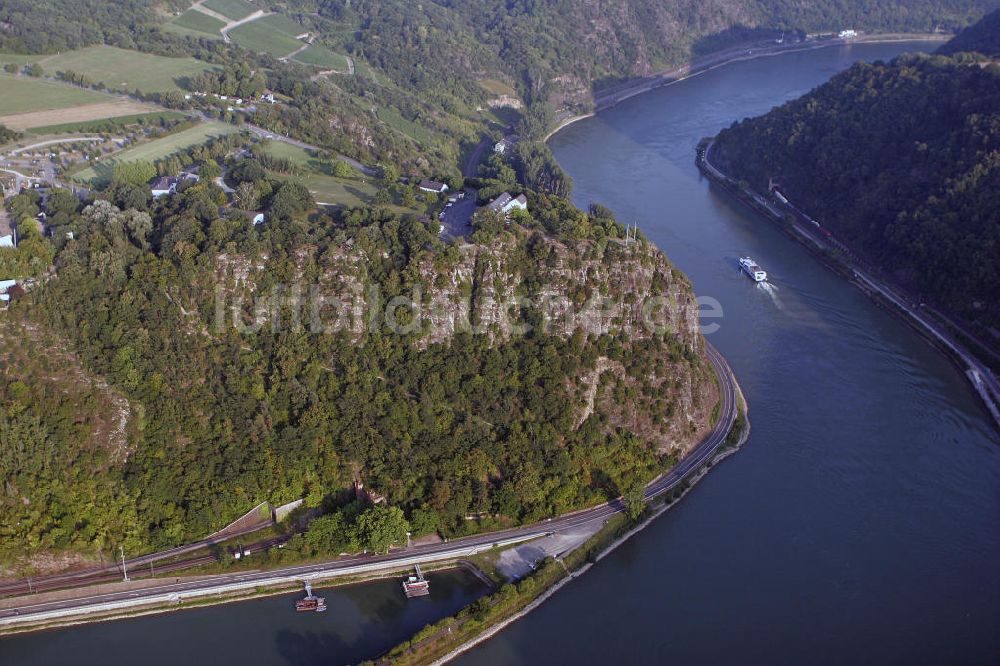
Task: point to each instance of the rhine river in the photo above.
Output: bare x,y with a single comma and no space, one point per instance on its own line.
861,521
859,524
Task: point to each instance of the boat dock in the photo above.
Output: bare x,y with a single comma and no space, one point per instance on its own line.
415,585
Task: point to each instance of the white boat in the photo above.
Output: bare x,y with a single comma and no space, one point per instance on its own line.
751,268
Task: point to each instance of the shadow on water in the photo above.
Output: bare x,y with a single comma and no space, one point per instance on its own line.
297,648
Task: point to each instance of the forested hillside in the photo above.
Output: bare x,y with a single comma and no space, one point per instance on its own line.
902,161
981,37
228,406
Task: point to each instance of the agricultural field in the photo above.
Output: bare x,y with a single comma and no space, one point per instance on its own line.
393,119
234,9
322,57
199,22
187,32
109,125
262,37
155,150
282,24
25,95
120,69
76,114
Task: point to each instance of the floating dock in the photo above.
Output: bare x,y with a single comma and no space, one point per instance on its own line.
415,585
310,603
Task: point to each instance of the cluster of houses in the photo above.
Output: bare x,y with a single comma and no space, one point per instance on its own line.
235,103
165,185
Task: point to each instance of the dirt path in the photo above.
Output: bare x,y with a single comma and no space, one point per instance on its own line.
198,6
294,53
69,139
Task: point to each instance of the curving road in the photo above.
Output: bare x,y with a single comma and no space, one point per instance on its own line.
180,591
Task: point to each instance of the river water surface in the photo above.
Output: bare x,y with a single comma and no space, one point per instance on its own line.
361,621
861,522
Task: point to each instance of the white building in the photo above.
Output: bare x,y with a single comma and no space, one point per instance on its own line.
502,146
7,241
848,34
433,186
163,185
4,286
505,203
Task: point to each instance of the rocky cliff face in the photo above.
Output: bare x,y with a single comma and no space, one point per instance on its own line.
516,285
628,291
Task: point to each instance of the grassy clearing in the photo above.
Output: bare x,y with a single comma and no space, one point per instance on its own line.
393,119
325,188
298,156
110,125
24,95
155,150
362,68
260,37
192,19
18,59
336,192
497,87
234,9
322,57
120,69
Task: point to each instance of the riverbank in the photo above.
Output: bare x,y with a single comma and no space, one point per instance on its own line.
454,636
628,89
156,596
835,255
240,595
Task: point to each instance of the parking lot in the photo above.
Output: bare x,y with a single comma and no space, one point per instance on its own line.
457,218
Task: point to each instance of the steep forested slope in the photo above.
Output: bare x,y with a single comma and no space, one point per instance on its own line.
981,37
902,161
459,414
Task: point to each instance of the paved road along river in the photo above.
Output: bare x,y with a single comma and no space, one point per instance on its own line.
861,522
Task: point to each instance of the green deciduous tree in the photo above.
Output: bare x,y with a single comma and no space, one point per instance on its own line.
381,527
